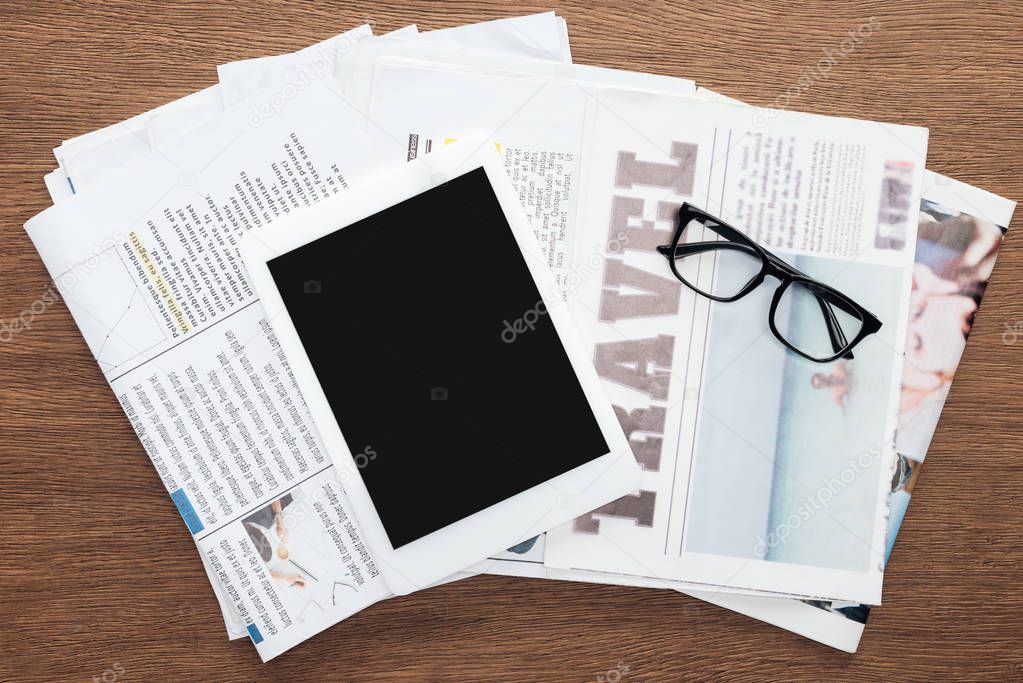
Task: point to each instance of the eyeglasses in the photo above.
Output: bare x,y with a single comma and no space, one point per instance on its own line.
809,317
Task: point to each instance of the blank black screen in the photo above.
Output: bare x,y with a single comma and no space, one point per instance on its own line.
405,317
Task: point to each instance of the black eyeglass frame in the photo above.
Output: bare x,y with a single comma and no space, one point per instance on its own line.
772,266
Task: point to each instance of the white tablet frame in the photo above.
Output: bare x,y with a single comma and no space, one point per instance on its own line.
439,554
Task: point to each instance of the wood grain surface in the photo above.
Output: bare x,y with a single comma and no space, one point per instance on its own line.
100,580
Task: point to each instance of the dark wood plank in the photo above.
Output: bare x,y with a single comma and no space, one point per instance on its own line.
98,577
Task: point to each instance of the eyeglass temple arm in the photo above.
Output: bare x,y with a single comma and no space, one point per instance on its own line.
838,339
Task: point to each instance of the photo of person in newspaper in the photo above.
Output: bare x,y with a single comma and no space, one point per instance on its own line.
954,257
955,254
295,553
269,534
836,382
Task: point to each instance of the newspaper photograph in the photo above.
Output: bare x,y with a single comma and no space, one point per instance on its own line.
793,501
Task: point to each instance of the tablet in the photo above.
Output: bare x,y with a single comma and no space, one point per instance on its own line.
450,388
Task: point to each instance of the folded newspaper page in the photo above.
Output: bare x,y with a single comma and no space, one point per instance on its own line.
87,160
757,475
92,157
535,36
147,264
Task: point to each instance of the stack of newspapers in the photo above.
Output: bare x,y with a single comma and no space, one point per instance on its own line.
769,487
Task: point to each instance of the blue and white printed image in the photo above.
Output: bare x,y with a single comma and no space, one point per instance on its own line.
788,451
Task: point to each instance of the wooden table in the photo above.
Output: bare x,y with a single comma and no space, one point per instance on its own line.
99,581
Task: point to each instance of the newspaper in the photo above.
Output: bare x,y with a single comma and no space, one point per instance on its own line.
744,489
147,264
840,624
94,157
